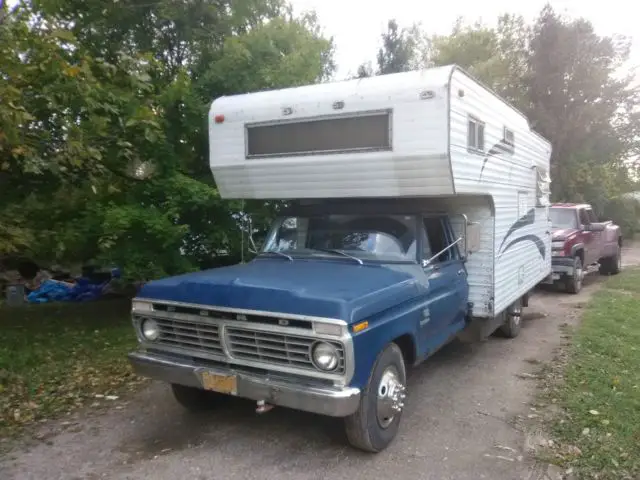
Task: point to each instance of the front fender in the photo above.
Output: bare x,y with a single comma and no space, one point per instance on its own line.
399,321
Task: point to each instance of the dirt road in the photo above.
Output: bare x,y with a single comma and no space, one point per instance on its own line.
461,422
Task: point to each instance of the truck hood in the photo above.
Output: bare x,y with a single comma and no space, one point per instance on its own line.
560,234
330,289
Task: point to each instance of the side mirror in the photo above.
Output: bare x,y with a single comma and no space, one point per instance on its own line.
594,227
472,238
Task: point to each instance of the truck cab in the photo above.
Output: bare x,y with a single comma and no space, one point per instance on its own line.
339,301
581,244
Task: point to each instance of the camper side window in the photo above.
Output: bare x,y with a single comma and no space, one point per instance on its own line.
475,135
509,139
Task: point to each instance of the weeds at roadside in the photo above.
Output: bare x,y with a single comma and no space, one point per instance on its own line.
594,384
56,358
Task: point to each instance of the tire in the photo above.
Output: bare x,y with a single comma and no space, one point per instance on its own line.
574,284
513,320
612,265
375,424
196,399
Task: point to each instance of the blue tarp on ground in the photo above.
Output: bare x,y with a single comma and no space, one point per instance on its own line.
81,291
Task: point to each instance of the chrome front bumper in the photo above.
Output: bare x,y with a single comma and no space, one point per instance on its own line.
334,402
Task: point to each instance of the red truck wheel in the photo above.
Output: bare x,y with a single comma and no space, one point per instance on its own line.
574,284
612,265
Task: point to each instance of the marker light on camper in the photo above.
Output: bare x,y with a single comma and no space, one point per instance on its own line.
219,118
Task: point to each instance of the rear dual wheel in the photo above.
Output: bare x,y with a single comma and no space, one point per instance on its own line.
512,320
612,265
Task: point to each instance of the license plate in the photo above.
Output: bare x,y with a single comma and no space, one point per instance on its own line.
220,383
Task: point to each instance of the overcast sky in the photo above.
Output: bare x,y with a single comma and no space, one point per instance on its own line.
356,25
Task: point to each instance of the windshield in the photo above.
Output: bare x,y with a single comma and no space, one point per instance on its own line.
376,237
563,218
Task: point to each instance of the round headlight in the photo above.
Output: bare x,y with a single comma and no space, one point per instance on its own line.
325,356
150,329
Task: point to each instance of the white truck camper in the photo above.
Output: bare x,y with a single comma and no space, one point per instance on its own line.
417,212
436,137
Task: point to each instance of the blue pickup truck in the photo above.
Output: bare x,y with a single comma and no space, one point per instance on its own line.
392,244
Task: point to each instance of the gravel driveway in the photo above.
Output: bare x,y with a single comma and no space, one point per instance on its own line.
461,422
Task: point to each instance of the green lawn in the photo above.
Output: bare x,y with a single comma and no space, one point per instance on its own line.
600,395
57,357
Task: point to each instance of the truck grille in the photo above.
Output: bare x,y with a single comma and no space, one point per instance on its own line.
275,348
190,335
269,348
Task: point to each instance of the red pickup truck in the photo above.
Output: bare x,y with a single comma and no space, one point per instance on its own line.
581,244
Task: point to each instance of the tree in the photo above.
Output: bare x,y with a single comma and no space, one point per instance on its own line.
365,70
578,103
496,56
114,167
563,76
397,51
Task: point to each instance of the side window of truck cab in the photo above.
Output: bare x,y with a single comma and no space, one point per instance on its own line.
439,237
592,216
584,218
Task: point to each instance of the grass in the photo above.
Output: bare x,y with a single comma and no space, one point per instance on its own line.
58,357
600,394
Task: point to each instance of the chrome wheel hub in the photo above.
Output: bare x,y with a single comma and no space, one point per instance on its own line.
516,314
390,396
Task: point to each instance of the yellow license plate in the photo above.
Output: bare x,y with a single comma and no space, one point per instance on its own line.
220,383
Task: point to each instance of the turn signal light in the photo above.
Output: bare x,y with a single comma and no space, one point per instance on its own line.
358,327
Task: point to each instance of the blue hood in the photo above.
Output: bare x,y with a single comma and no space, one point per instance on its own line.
331,289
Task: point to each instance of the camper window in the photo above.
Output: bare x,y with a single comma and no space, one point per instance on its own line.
509,139
475,135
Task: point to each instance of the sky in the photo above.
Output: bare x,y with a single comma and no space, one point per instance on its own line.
356,25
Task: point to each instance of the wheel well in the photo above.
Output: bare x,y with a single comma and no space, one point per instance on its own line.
407,347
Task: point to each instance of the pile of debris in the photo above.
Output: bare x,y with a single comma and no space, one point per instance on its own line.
27,282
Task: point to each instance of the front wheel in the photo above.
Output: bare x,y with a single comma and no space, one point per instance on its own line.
574,283
375,424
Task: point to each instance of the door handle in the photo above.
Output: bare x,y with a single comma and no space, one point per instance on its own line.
461,271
